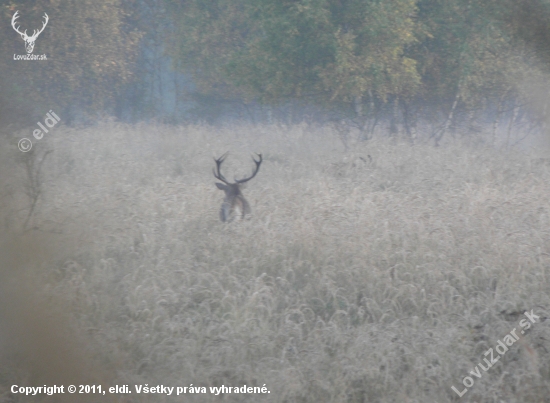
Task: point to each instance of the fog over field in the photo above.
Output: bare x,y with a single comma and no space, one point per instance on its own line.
306,201
384,273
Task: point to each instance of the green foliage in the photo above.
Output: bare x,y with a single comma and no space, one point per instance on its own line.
319,50
467,52
337,52
89,53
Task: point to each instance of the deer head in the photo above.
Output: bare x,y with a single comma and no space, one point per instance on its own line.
234,204
29,40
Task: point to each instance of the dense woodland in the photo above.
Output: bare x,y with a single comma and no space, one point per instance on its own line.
392,61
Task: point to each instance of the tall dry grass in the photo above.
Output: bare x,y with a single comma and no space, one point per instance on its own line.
378,275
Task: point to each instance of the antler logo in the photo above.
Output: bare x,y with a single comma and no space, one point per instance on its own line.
29,40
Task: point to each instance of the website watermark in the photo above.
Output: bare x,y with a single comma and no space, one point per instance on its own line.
29,57
501,348
50,120
29,40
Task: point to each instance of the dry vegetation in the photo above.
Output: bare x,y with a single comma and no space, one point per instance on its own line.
378,275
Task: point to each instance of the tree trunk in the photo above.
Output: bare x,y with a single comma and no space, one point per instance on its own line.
496,122
511,123
409,121
449,118
269,115
358,106
374,116
394,130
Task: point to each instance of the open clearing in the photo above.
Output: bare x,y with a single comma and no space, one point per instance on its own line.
381,274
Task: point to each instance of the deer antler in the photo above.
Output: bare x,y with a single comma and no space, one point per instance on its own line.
258,163
29,40
218,174
35,32
46,19
234,200
15,17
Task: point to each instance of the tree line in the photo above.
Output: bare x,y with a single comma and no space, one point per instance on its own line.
375,60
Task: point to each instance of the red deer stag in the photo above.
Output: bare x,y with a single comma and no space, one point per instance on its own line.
234,204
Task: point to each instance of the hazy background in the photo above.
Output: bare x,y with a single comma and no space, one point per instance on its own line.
400,65
400,218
